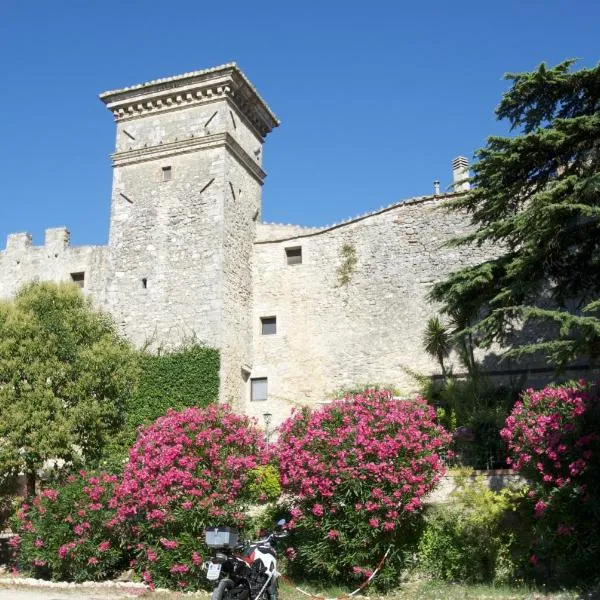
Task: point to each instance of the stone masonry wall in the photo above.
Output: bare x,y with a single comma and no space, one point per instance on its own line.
21,262
366,331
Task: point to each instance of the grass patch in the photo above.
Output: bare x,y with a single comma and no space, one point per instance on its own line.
435,590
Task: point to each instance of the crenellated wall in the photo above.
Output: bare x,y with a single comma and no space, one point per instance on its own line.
22,262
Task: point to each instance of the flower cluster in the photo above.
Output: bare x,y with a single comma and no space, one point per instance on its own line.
63,532
553,439
357,469
187,471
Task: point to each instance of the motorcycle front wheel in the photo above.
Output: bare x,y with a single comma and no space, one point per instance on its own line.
221,592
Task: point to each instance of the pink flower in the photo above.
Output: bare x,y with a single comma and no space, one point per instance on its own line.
52,495
92,561
179,568
169,544
332,534
39,543
196,559
374,523
290,553
317,510
103,546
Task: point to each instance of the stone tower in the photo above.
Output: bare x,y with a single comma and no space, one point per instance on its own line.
185,200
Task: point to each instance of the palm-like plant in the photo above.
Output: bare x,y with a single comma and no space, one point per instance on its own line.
437,341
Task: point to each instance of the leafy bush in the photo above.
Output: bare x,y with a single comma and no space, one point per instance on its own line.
65,533
480,406
187,471
553,438
356,471
474,538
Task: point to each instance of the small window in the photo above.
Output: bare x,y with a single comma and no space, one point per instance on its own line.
268,325
144,282
78,278
166,173
258,389
294,255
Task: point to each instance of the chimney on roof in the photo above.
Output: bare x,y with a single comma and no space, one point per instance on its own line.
460,174
436,187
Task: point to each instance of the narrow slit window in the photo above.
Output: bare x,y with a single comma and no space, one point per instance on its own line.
268,325
167,173
78,278
144,283
294,255
258,389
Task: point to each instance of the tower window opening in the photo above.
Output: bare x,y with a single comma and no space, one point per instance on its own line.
268,325
78,278
294,255
167,173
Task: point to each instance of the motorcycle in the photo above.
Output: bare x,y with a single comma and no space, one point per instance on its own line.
243,570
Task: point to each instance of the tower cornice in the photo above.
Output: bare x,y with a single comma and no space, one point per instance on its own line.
128,157
208,85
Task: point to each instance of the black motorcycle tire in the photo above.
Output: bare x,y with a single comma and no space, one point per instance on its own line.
221,592
273,591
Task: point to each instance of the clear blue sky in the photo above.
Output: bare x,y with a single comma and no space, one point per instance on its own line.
375,98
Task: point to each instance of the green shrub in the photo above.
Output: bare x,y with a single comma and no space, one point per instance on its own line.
263,483
477,404
66,533
476,537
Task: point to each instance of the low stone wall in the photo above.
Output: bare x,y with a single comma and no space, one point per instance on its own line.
496,479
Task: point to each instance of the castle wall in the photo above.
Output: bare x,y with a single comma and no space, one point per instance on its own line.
241,207
165,256
21,262
366,331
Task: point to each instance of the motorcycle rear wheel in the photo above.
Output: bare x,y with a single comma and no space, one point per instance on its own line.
221,592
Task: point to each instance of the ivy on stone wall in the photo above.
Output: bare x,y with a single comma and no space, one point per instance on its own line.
346,268
188,376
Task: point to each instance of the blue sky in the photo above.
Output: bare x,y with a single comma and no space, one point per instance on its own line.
375,98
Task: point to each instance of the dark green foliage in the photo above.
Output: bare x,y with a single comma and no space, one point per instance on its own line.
178,379
536,201
476,407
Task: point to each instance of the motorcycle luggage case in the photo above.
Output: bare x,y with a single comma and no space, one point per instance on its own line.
221,537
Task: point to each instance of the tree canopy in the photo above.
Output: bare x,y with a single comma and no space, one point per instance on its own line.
535,203
64,375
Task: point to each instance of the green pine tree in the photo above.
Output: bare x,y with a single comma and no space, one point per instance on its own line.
536,202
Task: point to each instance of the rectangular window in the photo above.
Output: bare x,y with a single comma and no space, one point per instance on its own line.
78,278
268,325
294,255
258,389
166,173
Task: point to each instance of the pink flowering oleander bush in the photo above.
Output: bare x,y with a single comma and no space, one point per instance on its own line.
64,533
187,471
553,439
356,471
